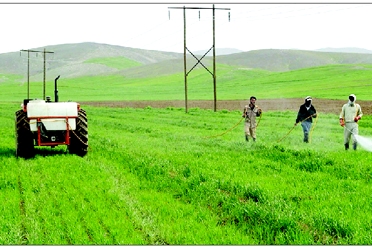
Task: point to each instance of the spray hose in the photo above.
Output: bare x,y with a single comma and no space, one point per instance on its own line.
234,127
312,128
227,130
296,125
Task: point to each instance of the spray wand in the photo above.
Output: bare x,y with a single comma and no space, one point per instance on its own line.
296,125
223,133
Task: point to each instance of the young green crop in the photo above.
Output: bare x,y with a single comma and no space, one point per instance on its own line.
232,83
163,176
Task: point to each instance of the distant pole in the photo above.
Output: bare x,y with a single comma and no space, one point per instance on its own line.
28,69
28,74
214,65
44,52
199,60
44,75
184,56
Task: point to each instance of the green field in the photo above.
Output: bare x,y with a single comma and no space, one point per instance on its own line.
332,81
166,177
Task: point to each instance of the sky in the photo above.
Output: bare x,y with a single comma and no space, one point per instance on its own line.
157,26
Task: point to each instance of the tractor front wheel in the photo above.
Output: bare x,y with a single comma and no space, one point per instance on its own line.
23,136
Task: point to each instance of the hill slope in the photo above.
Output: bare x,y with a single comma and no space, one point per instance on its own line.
69,59
75,60
287,60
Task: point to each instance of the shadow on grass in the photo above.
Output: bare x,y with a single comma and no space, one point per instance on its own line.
7,152
46,151
10,152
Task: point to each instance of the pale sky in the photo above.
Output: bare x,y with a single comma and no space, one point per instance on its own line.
154,26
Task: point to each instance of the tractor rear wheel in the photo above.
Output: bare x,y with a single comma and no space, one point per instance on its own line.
79,137
23,136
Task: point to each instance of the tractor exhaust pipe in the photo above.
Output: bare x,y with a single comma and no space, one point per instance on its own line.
56,89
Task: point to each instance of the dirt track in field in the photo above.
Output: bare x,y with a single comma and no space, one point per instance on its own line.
321,105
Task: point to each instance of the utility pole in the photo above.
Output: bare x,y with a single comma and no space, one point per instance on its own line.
28,69
199,60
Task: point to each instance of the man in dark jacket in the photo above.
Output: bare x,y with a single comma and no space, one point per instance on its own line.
305,116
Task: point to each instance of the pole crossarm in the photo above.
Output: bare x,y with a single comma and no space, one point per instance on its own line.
199,61
29,50
198,8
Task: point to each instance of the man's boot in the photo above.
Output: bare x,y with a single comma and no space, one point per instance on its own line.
354,146
246,138
346,146
254,139
306,138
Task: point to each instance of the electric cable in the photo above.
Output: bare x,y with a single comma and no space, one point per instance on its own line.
313,127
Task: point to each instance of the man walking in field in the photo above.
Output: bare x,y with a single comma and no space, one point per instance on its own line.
250,113
350,114
305,116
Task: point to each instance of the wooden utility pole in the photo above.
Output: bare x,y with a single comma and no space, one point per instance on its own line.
28,69
184,56
199,60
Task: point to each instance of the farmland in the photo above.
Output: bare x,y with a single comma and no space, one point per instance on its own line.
156,175
163,176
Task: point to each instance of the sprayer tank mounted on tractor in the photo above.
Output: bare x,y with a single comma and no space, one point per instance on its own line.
47,123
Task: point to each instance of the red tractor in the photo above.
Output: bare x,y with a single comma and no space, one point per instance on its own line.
47,123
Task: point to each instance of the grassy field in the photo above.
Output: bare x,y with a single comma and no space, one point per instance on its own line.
163,176
334,82
166,177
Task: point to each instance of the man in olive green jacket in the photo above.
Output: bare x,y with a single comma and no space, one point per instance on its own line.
250,113
350,114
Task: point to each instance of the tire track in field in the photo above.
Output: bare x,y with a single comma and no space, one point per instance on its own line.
87,230
57,205
22,208
84,222
64,225
107,231
141,219
82,219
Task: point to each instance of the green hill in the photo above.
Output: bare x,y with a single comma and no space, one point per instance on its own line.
76,60
286,60
326,82
100,72
89,59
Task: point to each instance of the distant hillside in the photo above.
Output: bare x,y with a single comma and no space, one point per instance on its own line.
164,68
219,51
83,59
68,59
346,50
286,60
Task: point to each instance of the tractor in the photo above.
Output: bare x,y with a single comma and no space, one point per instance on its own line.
47,123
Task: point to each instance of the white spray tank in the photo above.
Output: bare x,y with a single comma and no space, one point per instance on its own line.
46,123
